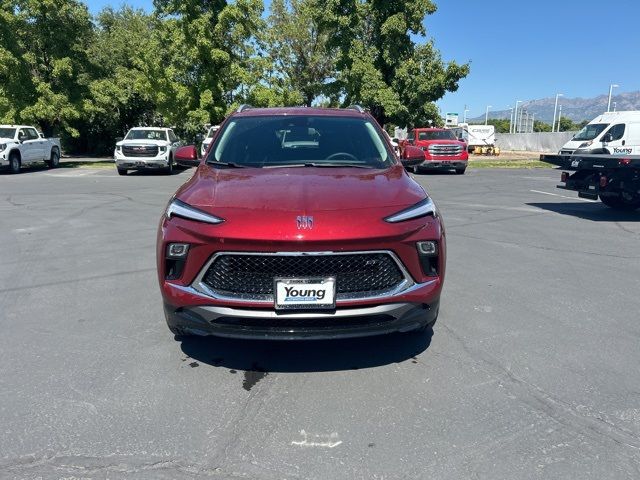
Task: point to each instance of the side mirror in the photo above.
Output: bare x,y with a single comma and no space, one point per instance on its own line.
199,137
187,153
119,139
606,138
412,156
41,135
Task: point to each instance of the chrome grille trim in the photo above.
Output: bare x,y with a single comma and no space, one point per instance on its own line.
445,150
200,286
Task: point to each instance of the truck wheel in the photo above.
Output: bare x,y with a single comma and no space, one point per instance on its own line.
14,163
169,169
54,160
460,171
622,203
121,171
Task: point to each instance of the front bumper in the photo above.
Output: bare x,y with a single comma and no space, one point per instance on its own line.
268,324
442,164
142,163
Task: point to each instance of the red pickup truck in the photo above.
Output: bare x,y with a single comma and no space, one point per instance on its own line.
442,150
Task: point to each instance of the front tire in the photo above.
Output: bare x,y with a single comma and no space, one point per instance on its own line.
169,169
122,171
14,163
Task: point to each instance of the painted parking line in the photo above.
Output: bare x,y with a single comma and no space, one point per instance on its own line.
563,196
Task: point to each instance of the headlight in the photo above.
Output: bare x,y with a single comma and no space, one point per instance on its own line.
3,147
162,149
585,144
421,209
118,148
176,208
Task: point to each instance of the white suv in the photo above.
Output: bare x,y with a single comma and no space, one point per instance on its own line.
146,148
207,141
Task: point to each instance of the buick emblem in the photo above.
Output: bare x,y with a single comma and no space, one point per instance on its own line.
304,222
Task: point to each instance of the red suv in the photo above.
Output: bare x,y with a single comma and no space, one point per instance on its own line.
300,223
442,150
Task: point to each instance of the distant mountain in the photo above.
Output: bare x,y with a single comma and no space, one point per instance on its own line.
576,109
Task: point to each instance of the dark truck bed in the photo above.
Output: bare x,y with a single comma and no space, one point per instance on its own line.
613,179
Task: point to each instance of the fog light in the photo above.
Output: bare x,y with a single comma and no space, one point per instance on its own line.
564,177
177,250
428,248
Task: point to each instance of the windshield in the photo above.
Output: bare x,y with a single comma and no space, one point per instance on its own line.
146,135
591,131
7,132
436,135
270,141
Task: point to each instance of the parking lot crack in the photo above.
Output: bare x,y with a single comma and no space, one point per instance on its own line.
554,408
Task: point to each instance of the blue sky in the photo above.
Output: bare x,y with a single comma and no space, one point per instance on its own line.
525,50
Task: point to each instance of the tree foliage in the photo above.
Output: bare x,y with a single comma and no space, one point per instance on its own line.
189,62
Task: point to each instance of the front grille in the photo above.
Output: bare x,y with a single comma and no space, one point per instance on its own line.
140,150
445,150
248,277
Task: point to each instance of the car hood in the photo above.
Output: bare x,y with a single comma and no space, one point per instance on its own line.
300,190
6,140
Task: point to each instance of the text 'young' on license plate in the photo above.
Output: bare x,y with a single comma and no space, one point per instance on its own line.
305,293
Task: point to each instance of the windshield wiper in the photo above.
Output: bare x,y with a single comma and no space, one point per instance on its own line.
224,164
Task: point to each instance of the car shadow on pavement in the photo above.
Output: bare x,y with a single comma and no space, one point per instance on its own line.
306,355
594,211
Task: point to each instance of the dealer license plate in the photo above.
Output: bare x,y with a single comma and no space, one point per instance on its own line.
305,293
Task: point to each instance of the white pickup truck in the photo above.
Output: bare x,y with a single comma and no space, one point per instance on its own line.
22,145
146,148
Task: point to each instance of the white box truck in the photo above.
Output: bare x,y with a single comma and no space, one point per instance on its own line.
612,133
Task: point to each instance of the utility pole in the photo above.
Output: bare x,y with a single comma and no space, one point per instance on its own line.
464,114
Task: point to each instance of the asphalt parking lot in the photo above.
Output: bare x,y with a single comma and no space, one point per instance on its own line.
531,372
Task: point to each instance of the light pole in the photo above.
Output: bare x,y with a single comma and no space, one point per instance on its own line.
464,114
510,117
486,114
559,117
614,106
555,109
515,117
611,87
533,121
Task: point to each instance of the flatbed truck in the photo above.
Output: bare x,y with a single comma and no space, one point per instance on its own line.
614,179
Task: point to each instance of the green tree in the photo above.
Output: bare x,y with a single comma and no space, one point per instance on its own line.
566,125
48,42
502,125
298,49
379,64
539,126
208,54
119,94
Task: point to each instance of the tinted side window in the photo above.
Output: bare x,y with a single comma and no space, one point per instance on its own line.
22,135
33,135
172,137
617,131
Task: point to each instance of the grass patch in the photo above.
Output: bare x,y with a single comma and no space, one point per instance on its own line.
87,164
508,163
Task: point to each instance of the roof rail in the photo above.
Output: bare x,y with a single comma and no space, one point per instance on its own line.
357,108
243,107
